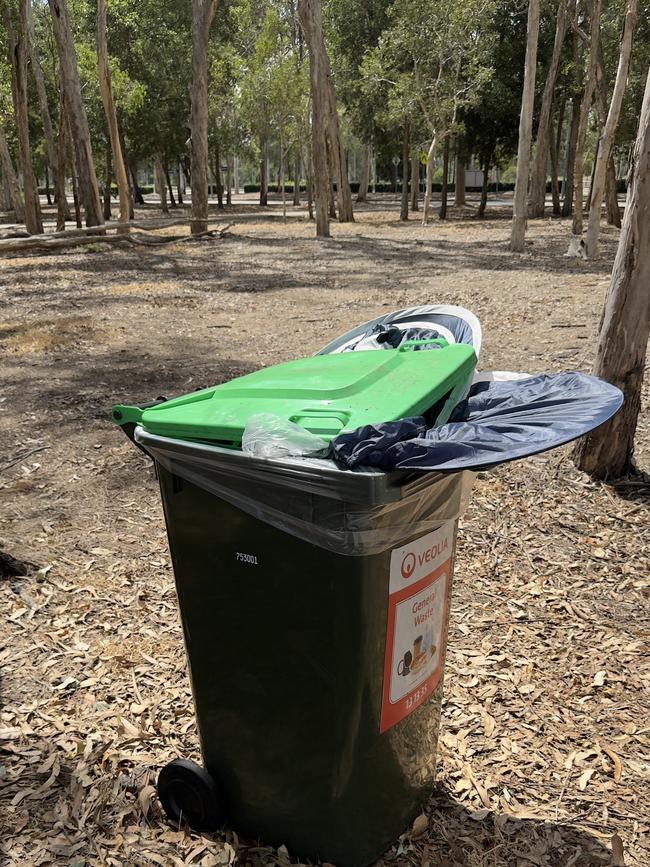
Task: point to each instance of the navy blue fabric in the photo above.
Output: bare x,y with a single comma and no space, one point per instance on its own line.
498,422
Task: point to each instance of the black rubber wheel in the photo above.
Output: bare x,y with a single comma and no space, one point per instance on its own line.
188,792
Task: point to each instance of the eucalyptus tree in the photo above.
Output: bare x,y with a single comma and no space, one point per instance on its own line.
519,205
16,21
434,57
625,326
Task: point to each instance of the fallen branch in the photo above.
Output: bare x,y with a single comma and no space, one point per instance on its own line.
58,240
22,458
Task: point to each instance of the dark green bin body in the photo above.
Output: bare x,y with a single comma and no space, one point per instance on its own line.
287,662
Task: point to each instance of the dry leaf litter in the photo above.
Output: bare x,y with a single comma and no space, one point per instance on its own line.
544,754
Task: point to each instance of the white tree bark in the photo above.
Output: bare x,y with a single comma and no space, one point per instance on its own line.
311,20
625,328
202,16
428,178
111,114
537,197
519,207
606,142
585,105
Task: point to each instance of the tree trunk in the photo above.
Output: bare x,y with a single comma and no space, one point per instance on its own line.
296,182
170,189
332,202
108,179
591,178
569,157
47,183
428,179
484,187
590,84
606,141
264,173
17,35
459,182
284,194
442,213
46,120
202,15
6,202
179,184
76,112
217,177
111,115
309,182
364,179
186,162
404,207
622,343
339,160
161,189
337,152
310,14
415,180
555,186
537,197
62,210
11,180
137,192
71,157
611,195
229,181
519,209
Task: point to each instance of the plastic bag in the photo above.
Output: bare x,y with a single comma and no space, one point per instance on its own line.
354,513
499,421
270,436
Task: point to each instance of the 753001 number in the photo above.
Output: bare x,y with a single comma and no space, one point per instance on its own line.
251,559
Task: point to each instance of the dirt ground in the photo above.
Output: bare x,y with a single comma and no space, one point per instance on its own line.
544,756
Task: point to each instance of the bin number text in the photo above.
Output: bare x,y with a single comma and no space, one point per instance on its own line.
251,559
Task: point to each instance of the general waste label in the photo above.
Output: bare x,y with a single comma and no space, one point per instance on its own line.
420,573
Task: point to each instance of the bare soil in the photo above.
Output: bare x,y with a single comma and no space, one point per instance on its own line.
544,751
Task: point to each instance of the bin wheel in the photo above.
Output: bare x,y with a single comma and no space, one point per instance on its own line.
187,791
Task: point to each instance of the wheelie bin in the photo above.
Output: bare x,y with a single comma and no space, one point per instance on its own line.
314,604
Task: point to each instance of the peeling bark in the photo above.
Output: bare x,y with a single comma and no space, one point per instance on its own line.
607,452
519,206
202,16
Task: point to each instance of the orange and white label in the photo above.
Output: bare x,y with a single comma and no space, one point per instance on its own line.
420,574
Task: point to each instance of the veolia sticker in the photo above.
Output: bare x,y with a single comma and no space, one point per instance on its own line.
417,614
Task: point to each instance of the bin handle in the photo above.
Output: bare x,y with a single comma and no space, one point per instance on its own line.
129,417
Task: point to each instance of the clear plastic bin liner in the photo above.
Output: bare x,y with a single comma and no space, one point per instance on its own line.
270,436
348,512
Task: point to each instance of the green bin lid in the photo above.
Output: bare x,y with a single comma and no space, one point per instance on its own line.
326,394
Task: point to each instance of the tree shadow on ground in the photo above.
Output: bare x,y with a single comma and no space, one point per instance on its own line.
634,487
442,253
459,837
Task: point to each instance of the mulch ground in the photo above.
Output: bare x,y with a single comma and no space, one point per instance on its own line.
544,752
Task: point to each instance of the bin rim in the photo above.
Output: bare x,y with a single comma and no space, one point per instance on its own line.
313,475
